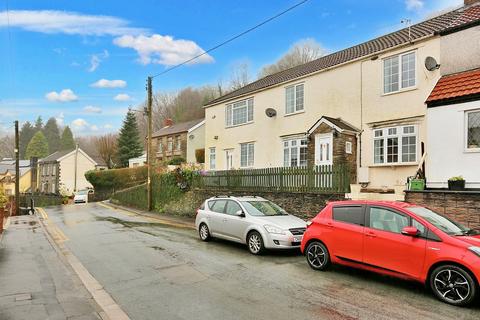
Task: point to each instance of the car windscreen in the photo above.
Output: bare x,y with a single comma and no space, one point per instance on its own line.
81,192
263,208
441,222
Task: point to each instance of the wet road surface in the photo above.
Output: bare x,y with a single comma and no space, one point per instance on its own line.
157,271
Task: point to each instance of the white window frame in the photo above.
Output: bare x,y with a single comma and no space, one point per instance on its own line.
178,143
296,106
230,109
212,156
400,87
249,160
399,135
160,146
467,149
287,146
348,147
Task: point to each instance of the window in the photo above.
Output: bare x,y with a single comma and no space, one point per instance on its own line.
160,146
399,72
473,130
213,160
54,169
178,143
420,227
348,147
53,188
387,220
349,214
246,154
44,170
170,144
232,208
294,97
239,113
219,206
295,152
395,145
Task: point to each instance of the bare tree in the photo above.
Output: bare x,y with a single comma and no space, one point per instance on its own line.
106,147
240,76
7,146
301,52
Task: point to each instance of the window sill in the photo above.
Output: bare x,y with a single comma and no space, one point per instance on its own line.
238,125
472,150
399,91
294,113
397,164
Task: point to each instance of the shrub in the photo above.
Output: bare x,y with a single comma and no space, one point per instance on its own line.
176,161
3,198
116,179
200,155
458,178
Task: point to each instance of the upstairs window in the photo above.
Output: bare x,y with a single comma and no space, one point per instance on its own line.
247,153
399,72
160,146
238,113
294,97
473,130
395,145
295,153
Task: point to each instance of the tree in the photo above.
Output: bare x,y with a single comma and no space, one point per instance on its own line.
239,77
107,148
7,146
301,52
37,147
128,142
67,142
26,134
52,134
38,124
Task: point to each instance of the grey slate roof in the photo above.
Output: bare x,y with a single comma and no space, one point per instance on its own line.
176,128
453,20
56,155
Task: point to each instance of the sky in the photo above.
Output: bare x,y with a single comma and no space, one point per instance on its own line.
86,62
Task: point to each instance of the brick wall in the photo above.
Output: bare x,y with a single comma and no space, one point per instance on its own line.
463,207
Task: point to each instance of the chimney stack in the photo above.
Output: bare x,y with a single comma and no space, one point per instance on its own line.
167,122
470,2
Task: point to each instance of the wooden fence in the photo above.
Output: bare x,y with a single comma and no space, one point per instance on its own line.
318,179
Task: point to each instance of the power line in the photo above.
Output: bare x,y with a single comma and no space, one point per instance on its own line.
231,39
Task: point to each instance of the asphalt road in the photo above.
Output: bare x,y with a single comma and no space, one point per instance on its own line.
158,271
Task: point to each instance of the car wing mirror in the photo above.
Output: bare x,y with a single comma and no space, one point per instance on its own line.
240,213
410,231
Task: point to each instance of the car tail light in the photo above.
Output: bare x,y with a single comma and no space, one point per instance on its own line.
198,210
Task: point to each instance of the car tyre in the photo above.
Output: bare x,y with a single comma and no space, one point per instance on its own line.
204,232
453,285
255,243
317,256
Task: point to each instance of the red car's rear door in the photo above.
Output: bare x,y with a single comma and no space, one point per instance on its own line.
345,241
386,247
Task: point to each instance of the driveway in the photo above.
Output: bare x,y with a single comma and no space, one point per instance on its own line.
159,271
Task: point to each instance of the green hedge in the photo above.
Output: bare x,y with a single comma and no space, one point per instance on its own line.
108,181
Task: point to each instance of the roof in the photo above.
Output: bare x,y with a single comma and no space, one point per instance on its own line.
455,87
336,123
56,155
177,128
449,22
395,204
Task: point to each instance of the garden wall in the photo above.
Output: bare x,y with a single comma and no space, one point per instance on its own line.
462,206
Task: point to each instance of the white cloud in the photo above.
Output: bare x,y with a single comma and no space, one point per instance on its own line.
108,126
414,5
163,50
79,124
96,59
104,83
66,95
92,109
54,21
122,97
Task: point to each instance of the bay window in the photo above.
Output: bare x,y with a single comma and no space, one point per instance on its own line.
399,72
473,130
247,154
295,152
294,98
395,145
238,113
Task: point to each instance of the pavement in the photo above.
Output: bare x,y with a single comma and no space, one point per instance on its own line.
157,268
34,281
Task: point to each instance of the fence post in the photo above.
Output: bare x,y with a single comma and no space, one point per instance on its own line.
281,179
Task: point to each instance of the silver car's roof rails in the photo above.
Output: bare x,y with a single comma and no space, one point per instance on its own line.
222,196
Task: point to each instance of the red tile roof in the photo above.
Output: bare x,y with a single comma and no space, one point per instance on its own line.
449,22
455,86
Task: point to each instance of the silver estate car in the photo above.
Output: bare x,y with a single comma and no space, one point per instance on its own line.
254,221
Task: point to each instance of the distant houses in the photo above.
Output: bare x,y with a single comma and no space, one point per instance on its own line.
8,177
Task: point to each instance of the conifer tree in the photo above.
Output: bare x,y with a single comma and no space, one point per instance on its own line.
26,134
129,145
67,142
37,147
51,132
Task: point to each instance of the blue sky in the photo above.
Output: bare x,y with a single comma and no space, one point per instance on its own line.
85,62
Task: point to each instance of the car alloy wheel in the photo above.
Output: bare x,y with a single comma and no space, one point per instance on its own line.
453,285
317,256
204,232
255,243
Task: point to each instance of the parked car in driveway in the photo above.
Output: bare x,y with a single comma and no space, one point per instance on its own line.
81,196
398,239
255,221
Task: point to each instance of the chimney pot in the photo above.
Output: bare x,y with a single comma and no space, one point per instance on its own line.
167,122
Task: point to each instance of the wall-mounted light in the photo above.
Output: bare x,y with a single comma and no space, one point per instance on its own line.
215,137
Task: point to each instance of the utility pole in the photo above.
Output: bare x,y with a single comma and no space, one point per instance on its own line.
17,170
76,165
149,144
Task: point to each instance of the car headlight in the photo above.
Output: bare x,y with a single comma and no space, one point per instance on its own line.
272,229
475,250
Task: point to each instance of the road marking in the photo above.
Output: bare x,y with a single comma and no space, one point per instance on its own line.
55,232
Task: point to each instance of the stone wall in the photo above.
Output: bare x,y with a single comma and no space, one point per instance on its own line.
303,205
462,206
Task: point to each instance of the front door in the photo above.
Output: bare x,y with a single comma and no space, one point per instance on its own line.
229,159
323,149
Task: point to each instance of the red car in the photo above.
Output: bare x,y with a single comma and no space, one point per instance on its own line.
397,239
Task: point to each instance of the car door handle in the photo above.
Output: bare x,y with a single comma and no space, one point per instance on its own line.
329,224
371,234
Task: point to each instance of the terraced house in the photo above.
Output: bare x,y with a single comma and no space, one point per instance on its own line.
364,105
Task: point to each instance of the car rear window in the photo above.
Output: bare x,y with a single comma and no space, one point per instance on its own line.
349,214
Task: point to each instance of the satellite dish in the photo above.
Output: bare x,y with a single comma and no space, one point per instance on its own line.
270,112
431,64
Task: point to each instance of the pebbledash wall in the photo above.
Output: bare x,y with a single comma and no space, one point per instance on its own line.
462,206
